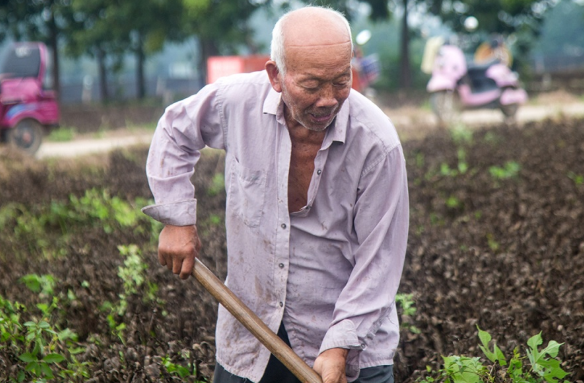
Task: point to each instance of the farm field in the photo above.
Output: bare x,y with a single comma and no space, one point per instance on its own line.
496,241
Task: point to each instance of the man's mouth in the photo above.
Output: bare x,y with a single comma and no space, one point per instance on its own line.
322,117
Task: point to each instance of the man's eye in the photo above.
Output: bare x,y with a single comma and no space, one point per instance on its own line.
310,86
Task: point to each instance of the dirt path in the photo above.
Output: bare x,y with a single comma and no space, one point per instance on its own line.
87,145
410,122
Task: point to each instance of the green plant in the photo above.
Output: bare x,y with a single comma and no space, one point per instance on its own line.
462,137
493,244
38,342
462,164
43,284
419,160
217,184
542,366
509,170
47,229
406,302
461,369
491,138
38,361
436,219
461,134
177,369
445,170
135,283
132,271
62,134
452,202
215,219
577,178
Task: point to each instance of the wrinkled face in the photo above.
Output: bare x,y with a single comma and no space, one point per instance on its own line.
316,83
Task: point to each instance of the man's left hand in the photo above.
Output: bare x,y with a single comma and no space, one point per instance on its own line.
330,365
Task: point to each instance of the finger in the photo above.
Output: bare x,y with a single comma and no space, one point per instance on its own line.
176,265
187,268
161,258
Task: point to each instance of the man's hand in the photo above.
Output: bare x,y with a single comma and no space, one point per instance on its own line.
330,365
177,248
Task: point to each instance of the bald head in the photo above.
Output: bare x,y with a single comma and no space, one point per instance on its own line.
308,27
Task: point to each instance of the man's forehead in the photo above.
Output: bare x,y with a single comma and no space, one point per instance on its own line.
316,44
315,29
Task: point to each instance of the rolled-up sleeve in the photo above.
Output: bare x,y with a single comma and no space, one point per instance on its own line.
381,220
185,128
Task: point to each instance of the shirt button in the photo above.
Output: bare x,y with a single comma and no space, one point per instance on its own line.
283,226
281,265
318,171
281,304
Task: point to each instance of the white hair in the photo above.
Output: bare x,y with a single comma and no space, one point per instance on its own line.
277,47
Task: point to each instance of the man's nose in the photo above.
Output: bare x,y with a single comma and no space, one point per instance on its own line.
327,97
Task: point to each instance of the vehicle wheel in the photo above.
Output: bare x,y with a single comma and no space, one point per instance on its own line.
27,135
445,106
509,110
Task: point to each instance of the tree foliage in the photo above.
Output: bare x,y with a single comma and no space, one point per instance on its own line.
494,16
37,20
107,30
221,26
115,27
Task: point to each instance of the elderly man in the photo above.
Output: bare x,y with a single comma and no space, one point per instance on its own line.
317,206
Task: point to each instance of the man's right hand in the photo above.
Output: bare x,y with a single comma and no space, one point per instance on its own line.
177,248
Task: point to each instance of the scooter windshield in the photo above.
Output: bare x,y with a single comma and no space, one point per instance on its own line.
22,61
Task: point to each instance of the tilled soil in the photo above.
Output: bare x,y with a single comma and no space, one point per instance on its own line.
503,251
504,254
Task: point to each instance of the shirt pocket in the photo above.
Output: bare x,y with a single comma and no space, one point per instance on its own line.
247,193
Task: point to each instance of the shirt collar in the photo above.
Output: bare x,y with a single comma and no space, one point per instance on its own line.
273,104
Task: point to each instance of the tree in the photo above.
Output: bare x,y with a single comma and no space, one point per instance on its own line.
144,26
40,20
106,29
88,33
221,26
501,17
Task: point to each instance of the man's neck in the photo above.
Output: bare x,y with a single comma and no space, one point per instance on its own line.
301,134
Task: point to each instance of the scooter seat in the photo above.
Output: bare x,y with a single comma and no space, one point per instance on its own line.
477,78
477,72
481,66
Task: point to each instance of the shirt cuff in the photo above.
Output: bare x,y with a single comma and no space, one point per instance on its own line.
344,335
182,213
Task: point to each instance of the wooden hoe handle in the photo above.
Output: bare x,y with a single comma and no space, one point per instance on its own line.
254,324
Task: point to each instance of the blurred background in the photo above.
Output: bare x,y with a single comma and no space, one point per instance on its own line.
104,51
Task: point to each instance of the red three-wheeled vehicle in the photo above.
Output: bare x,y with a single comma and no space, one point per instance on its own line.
28,109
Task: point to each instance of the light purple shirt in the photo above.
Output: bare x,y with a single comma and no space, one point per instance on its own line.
330,272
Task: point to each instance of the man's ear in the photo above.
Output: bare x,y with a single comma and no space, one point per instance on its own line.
274,75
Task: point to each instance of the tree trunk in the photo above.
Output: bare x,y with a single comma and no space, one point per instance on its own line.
103,91
405,78
140,59
54,44
208,48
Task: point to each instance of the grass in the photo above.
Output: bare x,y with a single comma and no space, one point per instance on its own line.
62,134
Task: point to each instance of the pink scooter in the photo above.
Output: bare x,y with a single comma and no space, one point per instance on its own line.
455,85
27,110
